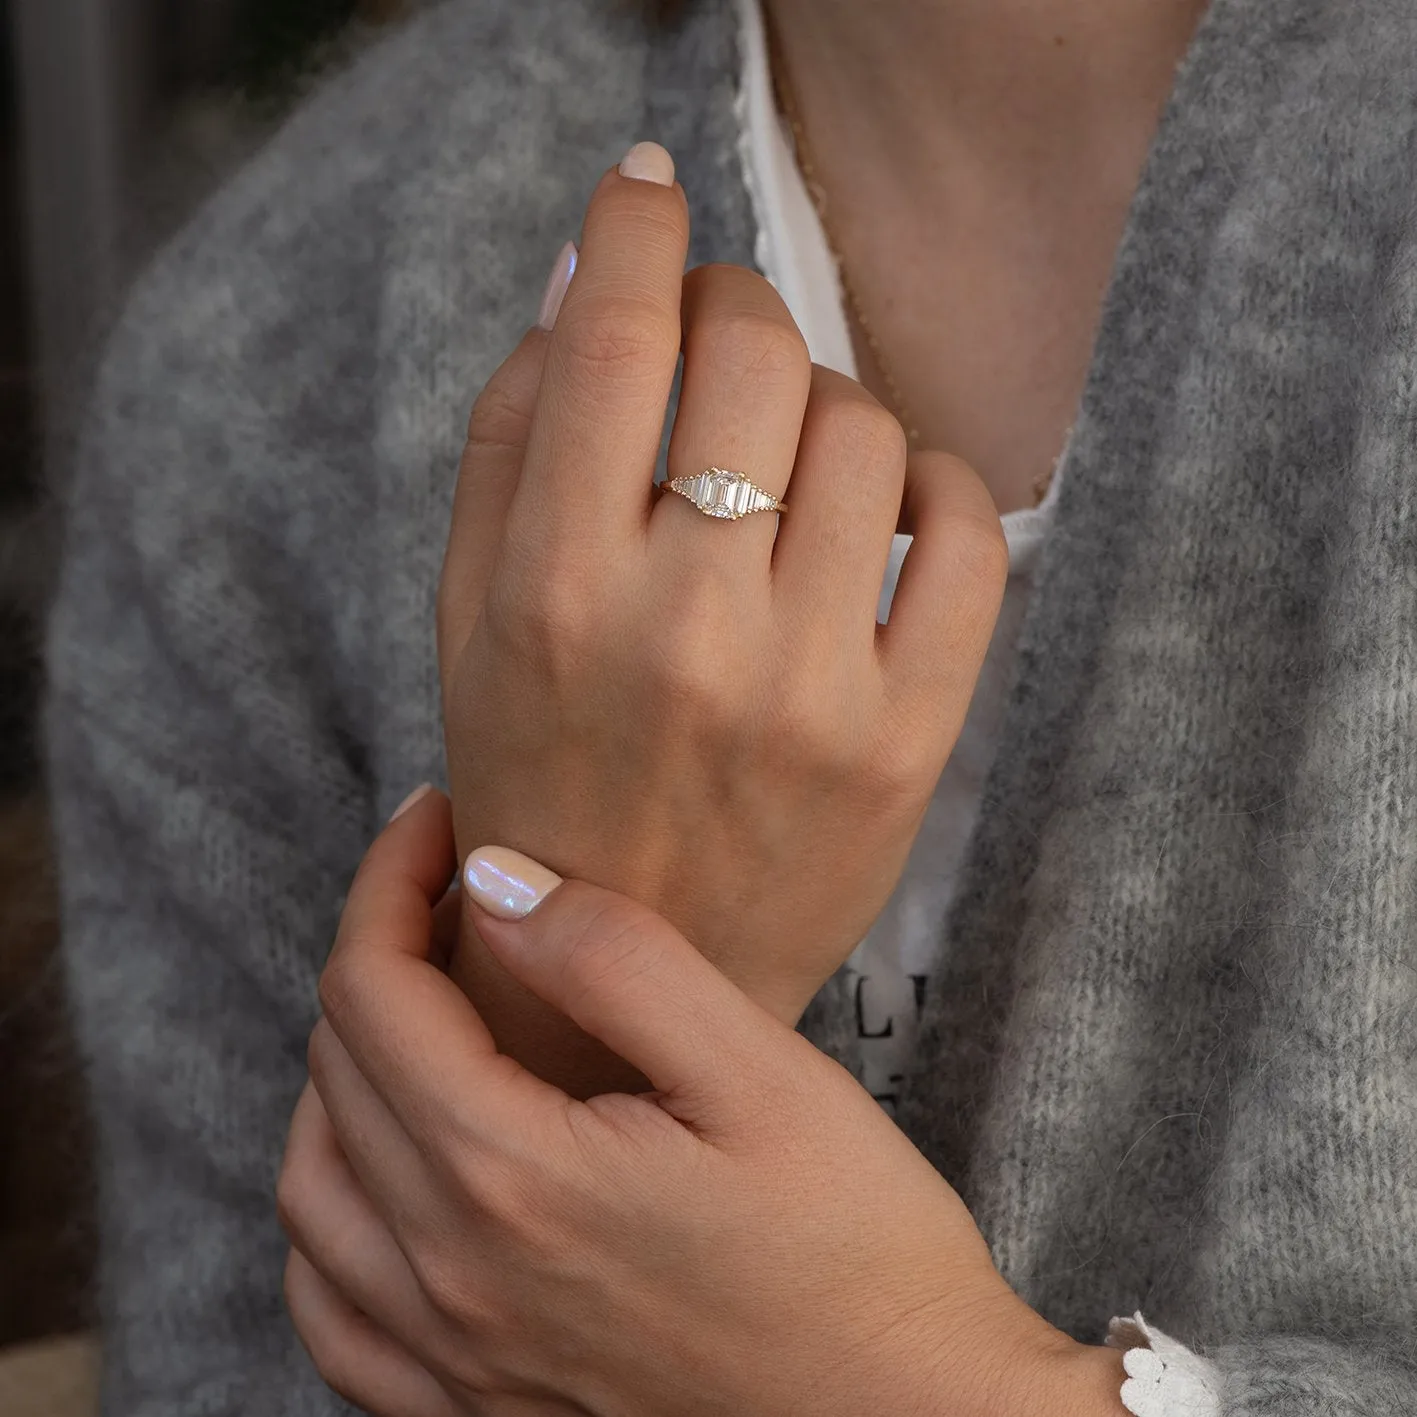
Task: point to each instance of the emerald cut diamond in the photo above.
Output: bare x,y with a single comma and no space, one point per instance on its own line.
719,493
725,494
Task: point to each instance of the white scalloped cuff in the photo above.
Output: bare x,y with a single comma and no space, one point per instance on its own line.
1165,1379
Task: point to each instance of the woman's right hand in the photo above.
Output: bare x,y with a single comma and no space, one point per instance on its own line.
704,714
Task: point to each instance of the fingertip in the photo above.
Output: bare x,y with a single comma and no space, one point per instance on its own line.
416,841
507,884
418,793
649,161
563,269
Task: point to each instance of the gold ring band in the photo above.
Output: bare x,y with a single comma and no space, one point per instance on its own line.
716,492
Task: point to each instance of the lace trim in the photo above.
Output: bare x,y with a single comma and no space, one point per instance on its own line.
1165,1379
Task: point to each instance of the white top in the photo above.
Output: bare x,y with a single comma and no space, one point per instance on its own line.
898,954
891,965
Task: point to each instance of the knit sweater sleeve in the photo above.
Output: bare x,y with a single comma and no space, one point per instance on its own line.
1272,1375
210,806
1304,1375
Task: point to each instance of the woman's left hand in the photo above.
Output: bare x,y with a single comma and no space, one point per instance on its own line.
754,1237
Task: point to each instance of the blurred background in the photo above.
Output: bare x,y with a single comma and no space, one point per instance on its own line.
116,118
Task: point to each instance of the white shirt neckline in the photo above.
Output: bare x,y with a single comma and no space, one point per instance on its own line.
792,252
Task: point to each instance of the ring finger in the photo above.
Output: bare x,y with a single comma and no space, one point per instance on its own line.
747,376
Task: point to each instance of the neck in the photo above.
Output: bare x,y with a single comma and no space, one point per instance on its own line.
978,158
1032,92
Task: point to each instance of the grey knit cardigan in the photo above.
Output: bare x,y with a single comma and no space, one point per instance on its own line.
1169,1059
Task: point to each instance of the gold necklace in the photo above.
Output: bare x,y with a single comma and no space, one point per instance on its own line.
787,101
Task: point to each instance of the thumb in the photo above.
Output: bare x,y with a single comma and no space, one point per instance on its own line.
627,977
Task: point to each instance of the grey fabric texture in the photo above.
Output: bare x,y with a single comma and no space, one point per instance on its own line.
1169,1058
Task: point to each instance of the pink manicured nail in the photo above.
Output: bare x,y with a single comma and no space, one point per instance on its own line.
650,162
411,799
557,285
505,883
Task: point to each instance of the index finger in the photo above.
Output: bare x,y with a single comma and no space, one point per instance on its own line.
599,419
412,1033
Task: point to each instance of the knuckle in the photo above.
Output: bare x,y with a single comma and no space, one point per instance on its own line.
689,658
863,430
332,992
683,666
619,337
556,612
814,742
797,709
740,343
905,765
609,948
446,1277
340,992
982,549
878,433
542,612
498,1188
441,1280
505,608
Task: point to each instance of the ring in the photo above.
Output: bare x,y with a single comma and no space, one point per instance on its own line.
719,493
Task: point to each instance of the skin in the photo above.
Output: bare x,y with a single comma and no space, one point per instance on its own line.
1037,119
758,788
471,1242
979,158
754,795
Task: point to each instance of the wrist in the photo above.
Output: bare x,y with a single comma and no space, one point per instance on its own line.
1065,1379
786,1006
1088,1383
790,1000
1013,1363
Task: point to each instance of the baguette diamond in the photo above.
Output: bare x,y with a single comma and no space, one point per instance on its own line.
719,493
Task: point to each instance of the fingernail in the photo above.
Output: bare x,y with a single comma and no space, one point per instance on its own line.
505,883
411,799
557,285
650,163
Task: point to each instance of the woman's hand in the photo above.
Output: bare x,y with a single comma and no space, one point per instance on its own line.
704,715
754,1237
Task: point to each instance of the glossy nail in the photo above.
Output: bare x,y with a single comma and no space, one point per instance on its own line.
412,797
649,162
505,883
557,285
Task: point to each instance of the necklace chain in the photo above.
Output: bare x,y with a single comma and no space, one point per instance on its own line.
787,100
